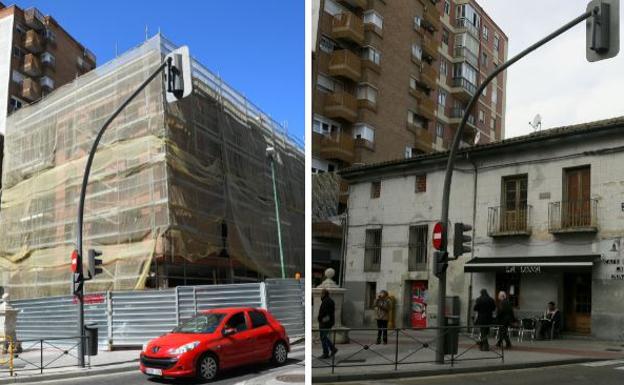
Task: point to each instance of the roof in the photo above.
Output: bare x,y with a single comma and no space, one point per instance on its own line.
515,143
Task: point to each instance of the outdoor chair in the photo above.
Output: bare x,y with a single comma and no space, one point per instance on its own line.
527,326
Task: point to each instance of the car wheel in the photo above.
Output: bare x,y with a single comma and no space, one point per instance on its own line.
208,367
280,353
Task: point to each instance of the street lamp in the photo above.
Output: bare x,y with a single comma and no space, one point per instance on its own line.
178,85
271,154
602,42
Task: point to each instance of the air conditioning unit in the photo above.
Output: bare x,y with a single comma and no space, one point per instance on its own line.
48,58
47,82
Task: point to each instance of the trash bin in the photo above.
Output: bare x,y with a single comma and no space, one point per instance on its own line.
451,340
91,332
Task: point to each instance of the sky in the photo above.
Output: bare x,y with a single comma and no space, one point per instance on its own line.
256,46
555,81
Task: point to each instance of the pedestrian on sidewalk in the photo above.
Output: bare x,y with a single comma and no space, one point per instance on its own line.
382,314
485,307
504,318
326,320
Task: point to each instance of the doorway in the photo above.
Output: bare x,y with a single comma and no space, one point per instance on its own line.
577,302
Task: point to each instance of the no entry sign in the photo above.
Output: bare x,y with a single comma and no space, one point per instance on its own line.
74,261
437,235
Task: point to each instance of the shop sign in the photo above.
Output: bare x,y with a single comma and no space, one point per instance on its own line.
614,267
523,269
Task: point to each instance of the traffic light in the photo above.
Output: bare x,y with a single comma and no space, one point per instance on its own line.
94,262
603,30
441,262
459,239
78,284
178,74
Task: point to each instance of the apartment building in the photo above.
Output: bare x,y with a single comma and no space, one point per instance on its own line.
391,80
547,213
179,193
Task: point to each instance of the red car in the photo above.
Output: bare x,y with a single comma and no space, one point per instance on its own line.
215,340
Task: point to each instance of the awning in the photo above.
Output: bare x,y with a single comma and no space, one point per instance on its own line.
532,265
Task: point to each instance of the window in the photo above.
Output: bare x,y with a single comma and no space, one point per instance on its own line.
417,248
15,104
206,323
322,125
496,43
20,29
493,123
372,17
445,36
485,33
514,206
18,52
414,119
372,250
326,44
333,8
484,58
364,131
466,71
442,97
371,295
258,319
484,94
443,67
367,92
440,130
576,210
421,183
417,22
371,54
495,94
237,321
375,189
417,51
447,7
481,116
325,83
50,35
408,152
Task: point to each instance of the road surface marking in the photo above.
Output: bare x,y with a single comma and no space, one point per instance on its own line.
603,363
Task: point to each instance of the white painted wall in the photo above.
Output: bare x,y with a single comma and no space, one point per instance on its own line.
6,44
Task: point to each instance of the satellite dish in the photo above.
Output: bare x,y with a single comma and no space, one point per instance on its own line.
537,122
477,137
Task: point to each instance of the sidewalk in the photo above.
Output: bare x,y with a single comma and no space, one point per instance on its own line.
362,359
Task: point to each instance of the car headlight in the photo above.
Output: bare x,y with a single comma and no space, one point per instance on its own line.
184,348
144,346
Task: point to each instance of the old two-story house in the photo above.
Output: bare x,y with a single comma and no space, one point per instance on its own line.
548,216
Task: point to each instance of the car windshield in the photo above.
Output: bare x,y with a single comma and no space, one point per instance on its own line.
205,323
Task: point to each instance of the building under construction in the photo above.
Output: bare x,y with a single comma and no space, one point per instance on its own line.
179,193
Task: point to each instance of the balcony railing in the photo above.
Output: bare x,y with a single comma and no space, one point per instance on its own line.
573,216
465,87
467,24
458,113
34,18
503,221
348,26
31,90
466,54
33,41
346,64
430,48
32,65
341,105
338,146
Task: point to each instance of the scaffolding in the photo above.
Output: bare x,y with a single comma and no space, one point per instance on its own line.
178,194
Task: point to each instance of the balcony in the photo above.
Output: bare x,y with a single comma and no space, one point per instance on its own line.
337,146
470,130
463,89
467,55
33,41
348,27
32,65
31,90
341,105
465,24
422,140
430,48
345,64
34,18
503,222
577,216
429,76
355,3
431,18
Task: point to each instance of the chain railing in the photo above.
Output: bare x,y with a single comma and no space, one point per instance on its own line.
404,346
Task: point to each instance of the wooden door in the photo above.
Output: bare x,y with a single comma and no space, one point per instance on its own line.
577,306
575,208
514,209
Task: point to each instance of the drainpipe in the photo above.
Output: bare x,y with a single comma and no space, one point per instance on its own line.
474,231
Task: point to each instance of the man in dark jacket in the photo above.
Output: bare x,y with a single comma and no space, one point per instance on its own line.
326,322
484,306
504,318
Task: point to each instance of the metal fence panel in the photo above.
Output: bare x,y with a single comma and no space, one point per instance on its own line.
286,301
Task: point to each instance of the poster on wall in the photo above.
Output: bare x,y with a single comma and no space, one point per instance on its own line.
418,316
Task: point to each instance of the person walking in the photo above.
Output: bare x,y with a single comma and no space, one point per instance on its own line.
382,314
504,318
326,321
484,306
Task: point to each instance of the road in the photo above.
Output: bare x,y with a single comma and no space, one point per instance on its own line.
608,373
295,361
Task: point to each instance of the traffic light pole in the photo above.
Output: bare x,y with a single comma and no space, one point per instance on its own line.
81,203
441,321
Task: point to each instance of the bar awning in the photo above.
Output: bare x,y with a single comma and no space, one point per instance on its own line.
532,265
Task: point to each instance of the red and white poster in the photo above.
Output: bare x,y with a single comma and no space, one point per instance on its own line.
418,315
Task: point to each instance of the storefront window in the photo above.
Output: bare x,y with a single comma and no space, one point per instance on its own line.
510,284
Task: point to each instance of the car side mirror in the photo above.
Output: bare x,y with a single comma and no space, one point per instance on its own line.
228,332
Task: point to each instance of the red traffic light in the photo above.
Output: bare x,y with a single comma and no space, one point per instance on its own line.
437,235
74,261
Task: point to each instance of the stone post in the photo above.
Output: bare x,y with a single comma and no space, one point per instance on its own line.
337,294
8,323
